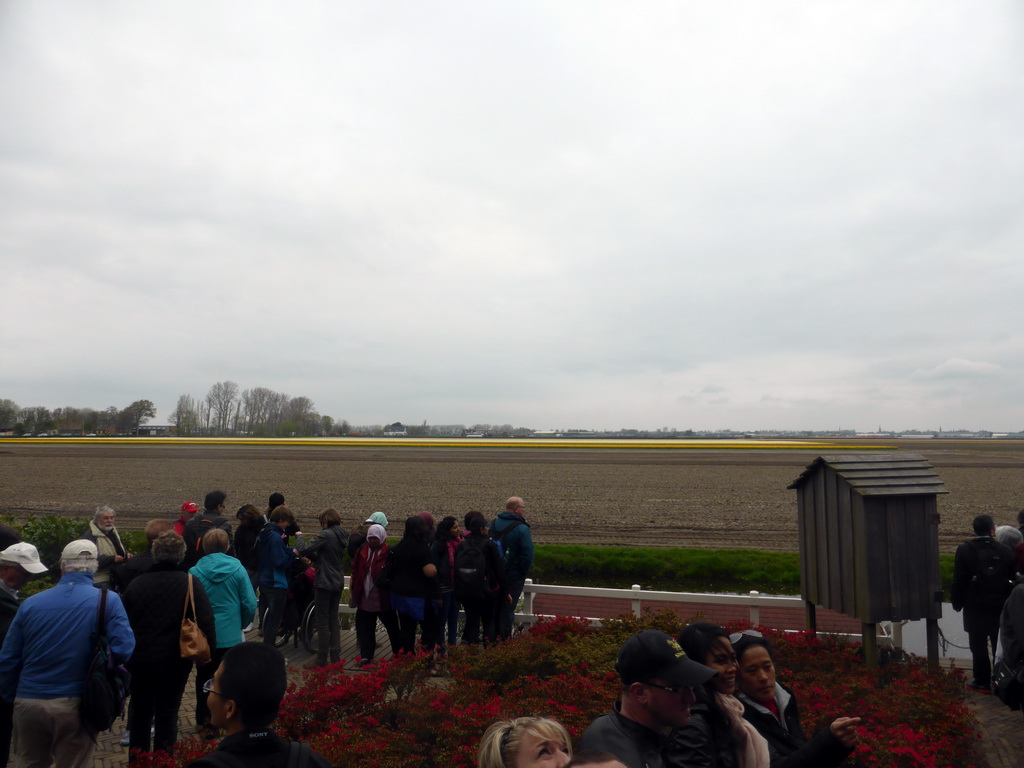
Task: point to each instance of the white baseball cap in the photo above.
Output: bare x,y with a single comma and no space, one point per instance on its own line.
24,555
78,548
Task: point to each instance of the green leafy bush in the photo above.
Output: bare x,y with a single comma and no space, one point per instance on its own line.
50,534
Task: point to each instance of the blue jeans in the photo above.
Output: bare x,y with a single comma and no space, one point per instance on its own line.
449,618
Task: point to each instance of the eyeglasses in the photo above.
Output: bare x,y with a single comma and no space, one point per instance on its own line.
208,688
736,636
668,688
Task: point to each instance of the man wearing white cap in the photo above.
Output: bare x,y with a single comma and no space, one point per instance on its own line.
44,658
18,563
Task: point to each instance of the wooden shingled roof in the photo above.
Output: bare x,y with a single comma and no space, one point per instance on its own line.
879,474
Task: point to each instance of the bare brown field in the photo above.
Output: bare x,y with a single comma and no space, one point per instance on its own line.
718,498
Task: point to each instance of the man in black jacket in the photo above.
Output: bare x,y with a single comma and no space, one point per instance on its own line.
657,691
245,694
212,516
983,573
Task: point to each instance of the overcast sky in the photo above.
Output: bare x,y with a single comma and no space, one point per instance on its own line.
742,215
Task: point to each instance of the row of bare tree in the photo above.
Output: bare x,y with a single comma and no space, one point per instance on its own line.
258,411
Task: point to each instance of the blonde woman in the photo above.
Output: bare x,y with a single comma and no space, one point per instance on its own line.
525,742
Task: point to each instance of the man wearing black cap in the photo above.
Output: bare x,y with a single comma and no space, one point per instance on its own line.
657,691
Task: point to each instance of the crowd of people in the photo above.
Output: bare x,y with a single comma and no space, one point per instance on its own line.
226,579
707,699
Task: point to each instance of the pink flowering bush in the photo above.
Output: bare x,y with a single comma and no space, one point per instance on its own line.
397,716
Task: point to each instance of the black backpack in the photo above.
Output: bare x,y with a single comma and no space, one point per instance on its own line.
471,568
991,583
195,529
106,683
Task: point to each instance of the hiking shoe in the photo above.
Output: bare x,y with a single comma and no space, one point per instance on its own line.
974,686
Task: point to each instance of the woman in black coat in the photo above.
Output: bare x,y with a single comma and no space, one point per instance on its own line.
415,590
154,602
771,708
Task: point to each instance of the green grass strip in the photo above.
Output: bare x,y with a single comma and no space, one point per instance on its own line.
678,570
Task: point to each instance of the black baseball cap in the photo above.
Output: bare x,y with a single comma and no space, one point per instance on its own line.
650,654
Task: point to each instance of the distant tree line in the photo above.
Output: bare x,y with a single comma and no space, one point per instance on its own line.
71,420
259,412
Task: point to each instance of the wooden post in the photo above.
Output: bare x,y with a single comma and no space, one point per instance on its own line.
931,631
869,641
812,616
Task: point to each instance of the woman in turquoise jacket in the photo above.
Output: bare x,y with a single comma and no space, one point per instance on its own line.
229,588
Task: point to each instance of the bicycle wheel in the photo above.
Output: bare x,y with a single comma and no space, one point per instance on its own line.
307,631
283,635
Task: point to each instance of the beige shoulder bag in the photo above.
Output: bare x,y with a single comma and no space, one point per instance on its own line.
194,646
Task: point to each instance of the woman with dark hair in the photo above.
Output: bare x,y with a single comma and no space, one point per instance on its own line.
446,539
772,709
154,602
716,735
327,550
481,594
413,585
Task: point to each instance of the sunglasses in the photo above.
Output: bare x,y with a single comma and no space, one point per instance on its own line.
669,688
736,636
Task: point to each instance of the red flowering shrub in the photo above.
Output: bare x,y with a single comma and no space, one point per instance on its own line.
398,716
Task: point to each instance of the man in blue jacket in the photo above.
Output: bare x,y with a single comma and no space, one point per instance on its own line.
513,532
45,658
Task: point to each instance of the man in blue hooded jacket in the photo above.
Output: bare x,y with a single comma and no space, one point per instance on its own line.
513,532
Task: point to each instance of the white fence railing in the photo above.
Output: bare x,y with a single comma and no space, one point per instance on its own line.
637,596
753,601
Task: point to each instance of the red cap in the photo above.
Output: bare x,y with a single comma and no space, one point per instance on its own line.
189,506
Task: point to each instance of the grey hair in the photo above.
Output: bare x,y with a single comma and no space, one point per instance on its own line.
100,511
1008,535
168,547
79,565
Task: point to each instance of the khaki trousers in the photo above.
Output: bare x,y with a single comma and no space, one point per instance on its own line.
49,732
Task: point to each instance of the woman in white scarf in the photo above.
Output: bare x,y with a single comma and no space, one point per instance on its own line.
716,736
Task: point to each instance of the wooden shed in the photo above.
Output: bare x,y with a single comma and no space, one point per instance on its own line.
869,539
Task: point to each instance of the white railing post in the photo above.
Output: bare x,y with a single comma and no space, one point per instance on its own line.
897,635
528,598
755,610
636,600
